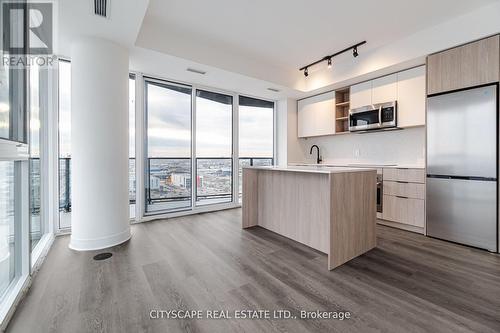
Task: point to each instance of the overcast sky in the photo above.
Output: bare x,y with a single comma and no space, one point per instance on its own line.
169,124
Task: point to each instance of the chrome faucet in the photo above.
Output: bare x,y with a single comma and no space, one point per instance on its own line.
318,158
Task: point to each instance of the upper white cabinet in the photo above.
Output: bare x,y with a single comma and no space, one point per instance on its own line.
384,89
406,87
361,94
411,97
316,115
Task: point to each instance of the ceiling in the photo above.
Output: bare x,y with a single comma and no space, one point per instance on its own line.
252,45
76,18
272,39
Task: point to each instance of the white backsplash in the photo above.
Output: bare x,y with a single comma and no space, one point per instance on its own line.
402,147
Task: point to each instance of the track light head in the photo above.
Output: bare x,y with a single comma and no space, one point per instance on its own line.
328,58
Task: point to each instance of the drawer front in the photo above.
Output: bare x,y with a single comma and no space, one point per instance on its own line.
404,189
404,210
405,175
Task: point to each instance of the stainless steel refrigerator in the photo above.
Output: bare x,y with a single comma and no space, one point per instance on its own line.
462,167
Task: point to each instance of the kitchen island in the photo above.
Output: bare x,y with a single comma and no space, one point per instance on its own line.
331,209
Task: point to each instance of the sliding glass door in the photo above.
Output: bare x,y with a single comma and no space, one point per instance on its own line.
14,181
8,202
214,147
168,148
256,133
64,144
131,146
190,159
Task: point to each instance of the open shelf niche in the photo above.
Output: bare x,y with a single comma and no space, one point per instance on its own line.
342,110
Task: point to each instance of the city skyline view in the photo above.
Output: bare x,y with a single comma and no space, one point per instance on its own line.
168,149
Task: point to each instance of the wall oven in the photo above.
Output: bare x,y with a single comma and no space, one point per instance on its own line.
372,117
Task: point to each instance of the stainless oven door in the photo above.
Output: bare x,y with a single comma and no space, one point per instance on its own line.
364,118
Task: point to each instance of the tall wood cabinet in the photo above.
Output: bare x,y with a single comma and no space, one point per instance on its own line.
465,66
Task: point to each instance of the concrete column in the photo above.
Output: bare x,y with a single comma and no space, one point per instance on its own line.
99,144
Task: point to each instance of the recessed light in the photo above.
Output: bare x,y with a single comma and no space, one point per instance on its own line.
197,71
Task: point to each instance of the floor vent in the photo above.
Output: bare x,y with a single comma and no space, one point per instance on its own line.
101,8
103,256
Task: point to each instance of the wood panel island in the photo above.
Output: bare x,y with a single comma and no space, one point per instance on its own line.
331,209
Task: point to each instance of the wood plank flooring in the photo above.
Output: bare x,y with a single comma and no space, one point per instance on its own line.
409,283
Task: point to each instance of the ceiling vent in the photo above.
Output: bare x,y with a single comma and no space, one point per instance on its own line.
197,71
101,8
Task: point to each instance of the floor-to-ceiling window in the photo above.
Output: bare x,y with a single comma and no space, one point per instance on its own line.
35,108
131,145
179,173
13,134
214,147
14,181
8,214
168,148
190,150
256,133
64,144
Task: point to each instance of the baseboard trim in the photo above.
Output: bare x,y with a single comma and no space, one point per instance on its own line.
402,226
100,243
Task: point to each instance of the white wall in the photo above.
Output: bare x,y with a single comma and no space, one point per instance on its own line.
393,147
289,147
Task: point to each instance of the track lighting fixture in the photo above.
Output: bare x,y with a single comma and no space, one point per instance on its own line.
328,58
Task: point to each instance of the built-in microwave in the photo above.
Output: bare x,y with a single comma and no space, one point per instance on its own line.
372,117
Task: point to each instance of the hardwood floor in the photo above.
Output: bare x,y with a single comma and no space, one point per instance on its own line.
409,283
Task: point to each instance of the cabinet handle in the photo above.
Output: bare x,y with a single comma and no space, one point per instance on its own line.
401,182
401,197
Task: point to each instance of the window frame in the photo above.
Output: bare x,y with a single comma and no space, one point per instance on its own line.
57,227
141,214
196,203
145,158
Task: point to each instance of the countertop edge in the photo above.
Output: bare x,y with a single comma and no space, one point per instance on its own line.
361,166
306,170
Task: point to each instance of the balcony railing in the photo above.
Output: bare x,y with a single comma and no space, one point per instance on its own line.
169,179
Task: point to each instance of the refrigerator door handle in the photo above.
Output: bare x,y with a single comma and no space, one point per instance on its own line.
485,179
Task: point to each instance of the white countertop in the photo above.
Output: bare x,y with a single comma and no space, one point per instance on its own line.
311,168
360,165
